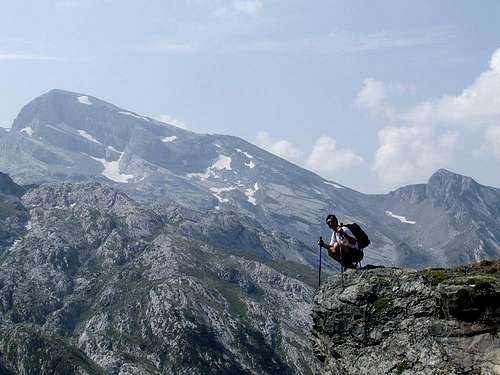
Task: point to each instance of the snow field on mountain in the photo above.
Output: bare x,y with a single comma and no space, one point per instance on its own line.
332,184
250,193
27,130
112,170
134,115
84,100
244,153
222,163
88,136
217,191
169,139
400,218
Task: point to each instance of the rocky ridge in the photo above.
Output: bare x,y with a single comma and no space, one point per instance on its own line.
394,321
127,290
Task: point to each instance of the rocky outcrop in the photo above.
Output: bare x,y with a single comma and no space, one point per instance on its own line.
29,350
394,321
97,273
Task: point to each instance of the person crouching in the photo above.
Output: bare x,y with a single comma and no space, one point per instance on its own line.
343,245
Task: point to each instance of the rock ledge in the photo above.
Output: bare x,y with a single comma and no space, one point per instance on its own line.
394,321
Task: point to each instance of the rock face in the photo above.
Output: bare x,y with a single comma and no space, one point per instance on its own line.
126,290
393,321
66,136
29,350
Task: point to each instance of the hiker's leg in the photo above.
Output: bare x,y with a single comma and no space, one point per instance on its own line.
347,257
334,252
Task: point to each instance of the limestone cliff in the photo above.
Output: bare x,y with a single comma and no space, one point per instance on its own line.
394,321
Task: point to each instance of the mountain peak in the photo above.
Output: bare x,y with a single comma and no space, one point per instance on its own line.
444,184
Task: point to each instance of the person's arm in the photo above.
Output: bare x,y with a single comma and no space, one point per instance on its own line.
324,245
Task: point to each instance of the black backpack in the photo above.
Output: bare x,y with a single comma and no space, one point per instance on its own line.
361,236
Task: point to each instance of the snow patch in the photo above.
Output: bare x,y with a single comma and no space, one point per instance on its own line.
216,192
88,136
169,139
400,218
244,153
27,130
84,100
332,184
220,199
250,194
221,190
114,149
222,163
112,170
134,115
250,165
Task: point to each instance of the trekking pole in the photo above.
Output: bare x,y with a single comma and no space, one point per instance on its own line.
319,273
341,266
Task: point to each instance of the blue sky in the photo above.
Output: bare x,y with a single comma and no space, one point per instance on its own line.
373,95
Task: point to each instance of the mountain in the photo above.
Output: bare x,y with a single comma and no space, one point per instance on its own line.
137,247
394,321
453,217
65,136
100,283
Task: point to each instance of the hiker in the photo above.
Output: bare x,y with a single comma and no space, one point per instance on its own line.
343,247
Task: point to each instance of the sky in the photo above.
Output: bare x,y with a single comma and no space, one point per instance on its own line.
371,94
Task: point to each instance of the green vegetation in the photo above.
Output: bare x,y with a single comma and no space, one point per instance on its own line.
479,280
231,293
382,303
402,367
435,276
378,280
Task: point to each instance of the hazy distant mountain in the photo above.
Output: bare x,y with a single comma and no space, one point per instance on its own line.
63,136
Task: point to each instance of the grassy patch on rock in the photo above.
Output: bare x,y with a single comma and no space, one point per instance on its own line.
435,276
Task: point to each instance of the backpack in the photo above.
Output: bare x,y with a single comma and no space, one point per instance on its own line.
361,236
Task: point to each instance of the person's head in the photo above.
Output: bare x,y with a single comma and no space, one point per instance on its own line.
332,222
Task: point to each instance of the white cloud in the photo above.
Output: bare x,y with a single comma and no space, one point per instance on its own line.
477,105
429,132
411,152
373,98
326,157
172,121
491,142
282,148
